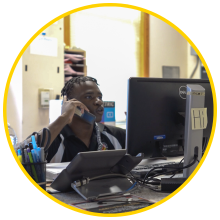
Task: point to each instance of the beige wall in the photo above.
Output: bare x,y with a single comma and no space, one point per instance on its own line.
191,63
41,73
109,35
14,101
167,48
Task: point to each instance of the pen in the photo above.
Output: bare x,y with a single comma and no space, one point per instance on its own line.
26,156
37,166
33,142
27,166
26,146
32,166
19,155
35,149
38,154
30,145
33,156
16,148
38,140
41,155
22,154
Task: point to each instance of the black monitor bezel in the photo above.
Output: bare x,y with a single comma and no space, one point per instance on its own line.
159,80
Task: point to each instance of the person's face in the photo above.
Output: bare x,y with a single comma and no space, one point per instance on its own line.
89,94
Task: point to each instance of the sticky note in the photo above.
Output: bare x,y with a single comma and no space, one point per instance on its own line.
199,118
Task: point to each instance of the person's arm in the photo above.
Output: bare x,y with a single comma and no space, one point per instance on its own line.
67,113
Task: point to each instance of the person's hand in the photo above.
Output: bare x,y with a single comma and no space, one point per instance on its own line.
74,58
69,107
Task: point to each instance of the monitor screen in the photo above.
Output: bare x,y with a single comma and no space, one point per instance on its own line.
156,114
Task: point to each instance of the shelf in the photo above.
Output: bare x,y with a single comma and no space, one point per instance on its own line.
79,67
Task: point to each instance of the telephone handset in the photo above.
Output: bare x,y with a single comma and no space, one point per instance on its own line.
86,116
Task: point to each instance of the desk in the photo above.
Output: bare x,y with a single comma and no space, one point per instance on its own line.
158,161
110,205
145,193
73,197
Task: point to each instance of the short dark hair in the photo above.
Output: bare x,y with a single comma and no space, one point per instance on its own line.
67,89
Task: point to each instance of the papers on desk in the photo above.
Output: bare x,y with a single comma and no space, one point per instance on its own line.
54,169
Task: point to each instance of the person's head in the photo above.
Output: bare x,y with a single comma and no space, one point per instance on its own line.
85,89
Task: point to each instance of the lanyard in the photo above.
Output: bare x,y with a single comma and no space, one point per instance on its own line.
101,146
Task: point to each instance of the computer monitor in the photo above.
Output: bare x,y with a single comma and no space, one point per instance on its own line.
155,114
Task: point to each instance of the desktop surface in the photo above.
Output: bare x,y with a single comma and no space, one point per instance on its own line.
73,198
147,164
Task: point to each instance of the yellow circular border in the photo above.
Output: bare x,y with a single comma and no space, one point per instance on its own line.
110,5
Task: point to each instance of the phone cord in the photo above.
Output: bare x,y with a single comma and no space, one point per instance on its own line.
101,146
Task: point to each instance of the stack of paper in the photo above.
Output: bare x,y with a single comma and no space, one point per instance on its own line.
54,169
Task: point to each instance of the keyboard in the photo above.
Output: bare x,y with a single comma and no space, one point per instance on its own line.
142,170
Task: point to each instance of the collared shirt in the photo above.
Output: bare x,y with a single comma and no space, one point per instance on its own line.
67,145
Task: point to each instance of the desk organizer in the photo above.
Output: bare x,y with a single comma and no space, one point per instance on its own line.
38,172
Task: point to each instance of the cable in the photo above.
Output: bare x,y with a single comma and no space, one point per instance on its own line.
150,187
38,139
175,169
132,187
139,181
152,181
157,181
204,145
132,176
44,131
197,62
31,135
178,166
107,175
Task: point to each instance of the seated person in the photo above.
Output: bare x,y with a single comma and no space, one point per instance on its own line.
70,134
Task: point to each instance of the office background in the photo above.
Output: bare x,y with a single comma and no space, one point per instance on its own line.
199,28
112,60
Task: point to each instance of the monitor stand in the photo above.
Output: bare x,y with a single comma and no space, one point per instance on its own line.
157,154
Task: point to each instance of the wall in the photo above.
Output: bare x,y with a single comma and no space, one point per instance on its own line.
23,112
110,38
41,73
14,101
191,63
167,48
110,41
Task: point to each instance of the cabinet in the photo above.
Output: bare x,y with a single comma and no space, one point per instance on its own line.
79,68
40,71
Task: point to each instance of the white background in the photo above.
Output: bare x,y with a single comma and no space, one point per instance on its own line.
20,20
